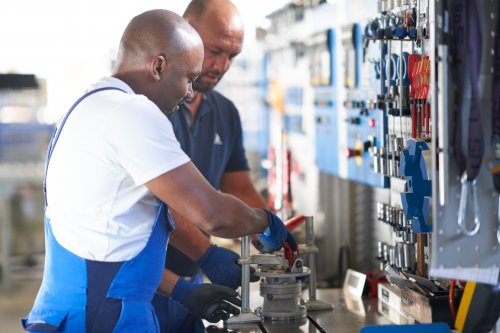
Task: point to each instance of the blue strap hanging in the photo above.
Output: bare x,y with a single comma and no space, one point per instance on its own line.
466,30
57,133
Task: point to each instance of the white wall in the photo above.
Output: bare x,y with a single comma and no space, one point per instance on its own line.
72,43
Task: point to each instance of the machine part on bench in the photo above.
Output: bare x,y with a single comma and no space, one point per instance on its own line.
282,298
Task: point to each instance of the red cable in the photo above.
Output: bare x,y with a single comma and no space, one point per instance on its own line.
451,299
294,222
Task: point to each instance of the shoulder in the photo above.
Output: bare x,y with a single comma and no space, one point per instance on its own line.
223,105
139,109
134,117
221,100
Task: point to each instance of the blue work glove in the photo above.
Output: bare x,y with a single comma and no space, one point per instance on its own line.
275,235
207,301
221,266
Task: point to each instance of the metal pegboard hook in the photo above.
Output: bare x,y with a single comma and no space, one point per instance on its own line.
463,206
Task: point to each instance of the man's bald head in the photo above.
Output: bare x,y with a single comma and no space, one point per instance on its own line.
160,55
216,11
221,28
156,32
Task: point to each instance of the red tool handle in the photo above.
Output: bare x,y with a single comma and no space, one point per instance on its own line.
427,119
414,120
294,222
288,254
291,224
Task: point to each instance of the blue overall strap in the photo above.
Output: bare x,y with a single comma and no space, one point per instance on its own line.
57,132
465,30
457,50
495,118
495,111
475,144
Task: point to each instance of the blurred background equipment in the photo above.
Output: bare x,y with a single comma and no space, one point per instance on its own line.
379,118
23,144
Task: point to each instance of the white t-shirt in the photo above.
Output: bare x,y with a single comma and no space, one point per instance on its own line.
111,145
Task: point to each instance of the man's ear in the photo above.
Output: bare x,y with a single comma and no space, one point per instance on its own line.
158,67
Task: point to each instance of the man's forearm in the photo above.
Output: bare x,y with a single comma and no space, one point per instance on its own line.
167,283
240,185
188,239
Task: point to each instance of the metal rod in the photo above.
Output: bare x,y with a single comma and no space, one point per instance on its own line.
245,275
389,72
420,255
312,257
382,74
401,87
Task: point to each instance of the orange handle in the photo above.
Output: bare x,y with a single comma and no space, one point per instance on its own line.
294,222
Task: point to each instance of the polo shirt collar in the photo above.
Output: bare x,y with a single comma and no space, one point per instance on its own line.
206,106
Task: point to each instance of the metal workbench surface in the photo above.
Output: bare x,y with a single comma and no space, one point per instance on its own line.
348,316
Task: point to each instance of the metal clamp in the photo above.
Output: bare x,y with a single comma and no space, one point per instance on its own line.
463,206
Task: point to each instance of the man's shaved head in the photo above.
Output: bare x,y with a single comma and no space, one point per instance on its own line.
160,55
221,28
157,32
220,11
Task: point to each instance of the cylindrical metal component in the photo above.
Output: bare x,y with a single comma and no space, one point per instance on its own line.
282,299
421,271
386,252
309,230
392,255
389,69
382,212
376,160
395,157
311,257
401,256
413,237
383,167
245,276
408,255
401,220
382,74
380,250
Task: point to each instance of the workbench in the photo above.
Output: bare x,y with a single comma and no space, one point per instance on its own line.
348,316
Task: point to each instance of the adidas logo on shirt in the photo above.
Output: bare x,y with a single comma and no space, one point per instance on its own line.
217,140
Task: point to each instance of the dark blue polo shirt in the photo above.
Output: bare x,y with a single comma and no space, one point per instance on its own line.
214,142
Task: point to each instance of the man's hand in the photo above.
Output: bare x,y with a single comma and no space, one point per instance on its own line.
275,235
221,266
207,301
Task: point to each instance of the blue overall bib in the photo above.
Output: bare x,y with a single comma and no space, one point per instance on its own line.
81,295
